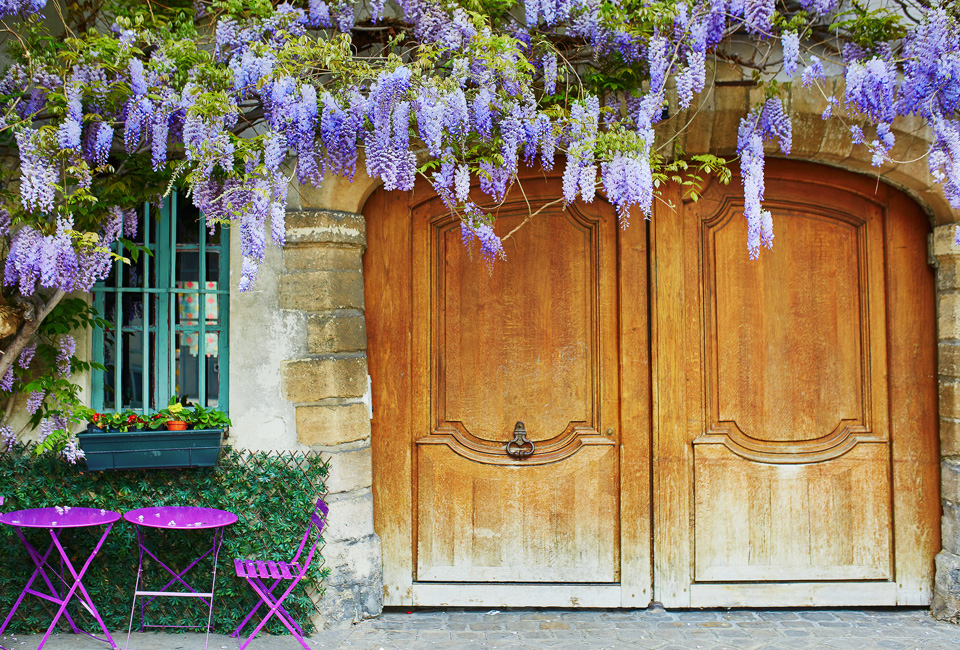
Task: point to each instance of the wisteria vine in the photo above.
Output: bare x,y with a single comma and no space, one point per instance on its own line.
232,104
480,96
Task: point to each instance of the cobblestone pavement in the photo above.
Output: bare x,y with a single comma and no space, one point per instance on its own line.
738,629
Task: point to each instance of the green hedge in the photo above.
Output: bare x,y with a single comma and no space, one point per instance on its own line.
273,494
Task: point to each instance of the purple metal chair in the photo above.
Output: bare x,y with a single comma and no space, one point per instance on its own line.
256,571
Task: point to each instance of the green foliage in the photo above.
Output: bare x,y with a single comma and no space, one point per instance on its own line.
272,495
868,27
691,172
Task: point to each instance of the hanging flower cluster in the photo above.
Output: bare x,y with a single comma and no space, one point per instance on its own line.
459,98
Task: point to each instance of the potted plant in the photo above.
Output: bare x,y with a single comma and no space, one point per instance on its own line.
176,417
180,435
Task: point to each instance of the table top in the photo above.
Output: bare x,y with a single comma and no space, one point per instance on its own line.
59,517
180,517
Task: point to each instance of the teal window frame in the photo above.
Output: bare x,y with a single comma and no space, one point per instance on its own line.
168,332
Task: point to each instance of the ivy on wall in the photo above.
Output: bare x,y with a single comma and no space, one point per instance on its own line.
273,495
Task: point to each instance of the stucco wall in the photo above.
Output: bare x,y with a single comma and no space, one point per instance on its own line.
262,337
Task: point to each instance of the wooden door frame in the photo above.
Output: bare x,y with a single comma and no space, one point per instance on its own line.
678,406
389,223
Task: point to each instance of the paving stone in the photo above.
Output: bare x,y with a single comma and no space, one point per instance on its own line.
778,615
654,629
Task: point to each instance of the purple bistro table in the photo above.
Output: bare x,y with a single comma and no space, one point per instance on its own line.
177,518
56,520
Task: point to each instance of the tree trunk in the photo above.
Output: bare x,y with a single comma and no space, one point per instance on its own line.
27,330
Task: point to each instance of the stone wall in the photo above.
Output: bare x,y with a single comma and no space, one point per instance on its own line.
323,282
946,594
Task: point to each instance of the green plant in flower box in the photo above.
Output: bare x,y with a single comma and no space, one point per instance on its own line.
123,421
207,418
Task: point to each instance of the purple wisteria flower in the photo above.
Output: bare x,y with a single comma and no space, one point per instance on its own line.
768,122
71,452
7,437
38,178
68,346
21,7
34,401
474,228
26,356
813,72
791,52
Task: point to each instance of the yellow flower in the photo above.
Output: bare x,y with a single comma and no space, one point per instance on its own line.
176,407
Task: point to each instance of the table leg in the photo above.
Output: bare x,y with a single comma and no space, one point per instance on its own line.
136,589
78,577
39,562
217,543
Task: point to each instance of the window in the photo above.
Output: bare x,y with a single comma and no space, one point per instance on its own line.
169,316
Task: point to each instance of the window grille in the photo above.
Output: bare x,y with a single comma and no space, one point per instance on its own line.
169,316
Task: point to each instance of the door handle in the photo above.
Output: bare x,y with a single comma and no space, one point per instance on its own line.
517,447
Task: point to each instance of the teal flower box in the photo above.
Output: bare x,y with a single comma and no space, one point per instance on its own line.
147,449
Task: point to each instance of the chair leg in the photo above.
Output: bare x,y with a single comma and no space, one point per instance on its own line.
253,611
273,603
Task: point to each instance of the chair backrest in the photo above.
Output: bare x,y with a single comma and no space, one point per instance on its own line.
317,520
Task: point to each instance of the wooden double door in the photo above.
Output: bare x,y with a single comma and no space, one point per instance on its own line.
612,416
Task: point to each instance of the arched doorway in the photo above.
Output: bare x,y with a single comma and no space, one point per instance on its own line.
717,431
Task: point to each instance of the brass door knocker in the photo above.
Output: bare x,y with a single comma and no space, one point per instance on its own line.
517,446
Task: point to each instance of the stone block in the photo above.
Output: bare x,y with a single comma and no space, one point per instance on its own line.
948,359
311,380
328,426
350,470
950,480
321,290
354,588
808,132
949,399
946,588
334,333
950,527
949,437
943,245
948,273
326,227
351,516
322,257
836,144
948,316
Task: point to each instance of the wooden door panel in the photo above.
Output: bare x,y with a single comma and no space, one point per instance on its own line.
788,326
817,521
784,452
532,339
794,344
540,523
518,341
